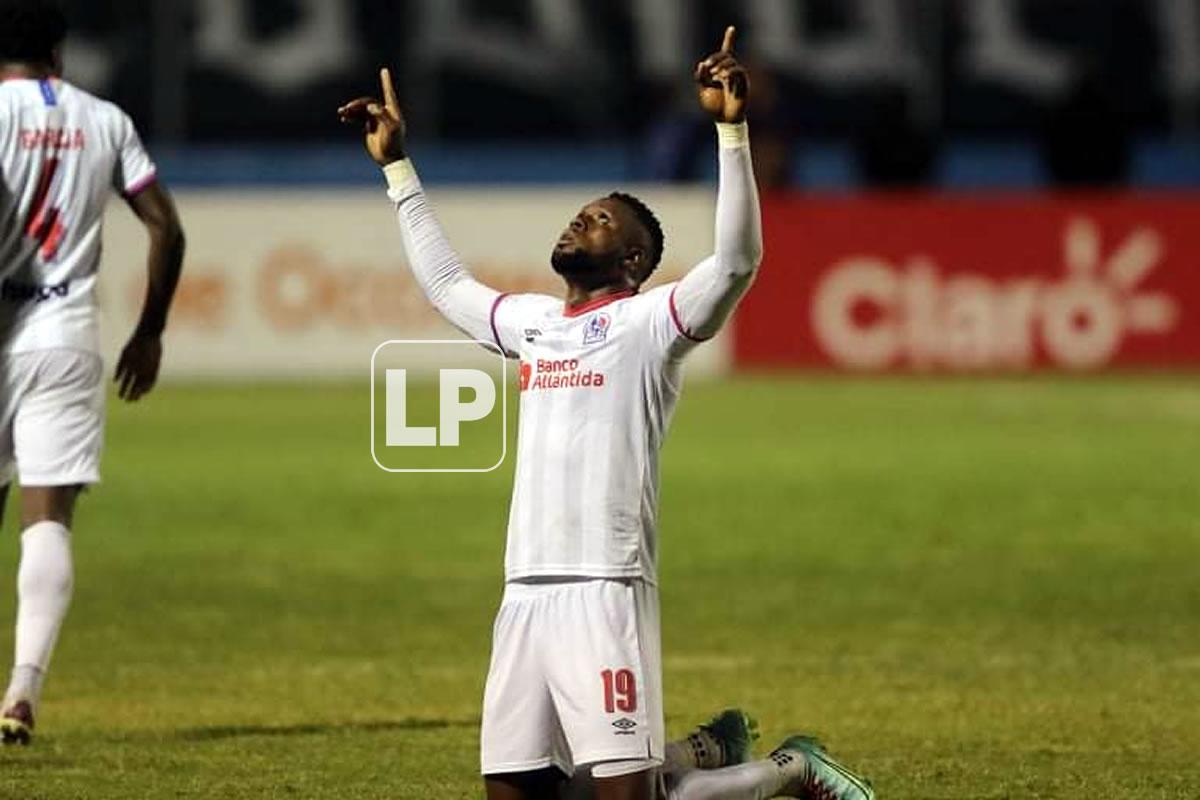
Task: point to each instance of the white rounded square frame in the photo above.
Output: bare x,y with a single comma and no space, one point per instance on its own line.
491,348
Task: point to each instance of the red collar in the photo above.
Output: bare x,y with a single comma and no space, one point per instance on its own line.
596,302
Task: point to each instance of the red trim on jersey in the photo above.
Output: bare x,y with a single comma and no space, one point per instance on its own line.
675,318
495,332
141,185
596,302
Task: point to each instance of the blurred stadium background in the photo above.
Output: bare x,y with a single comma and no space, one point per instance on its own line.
979,588
996,101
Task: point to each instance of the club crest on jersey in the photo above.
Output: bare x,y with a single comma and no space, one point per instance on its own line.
596,328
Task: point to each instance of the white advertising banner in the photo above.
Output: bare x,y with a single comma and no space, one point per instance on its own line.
307,284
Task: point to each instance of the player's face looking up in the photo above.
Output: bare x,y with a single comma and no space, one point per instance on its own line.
604,245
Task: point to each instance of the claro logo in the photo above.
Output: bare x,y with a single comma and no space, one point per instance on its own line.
869,313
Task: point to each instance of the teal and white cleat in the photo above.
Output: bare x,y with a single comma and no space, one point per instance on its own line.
725,740
818,777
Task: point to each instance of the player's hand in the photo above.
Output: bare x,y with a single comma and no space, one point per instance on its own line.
137,369
723,83
383,124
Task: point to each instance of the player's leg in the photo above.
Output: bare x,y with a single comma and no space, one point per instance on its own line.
637,785
544,784
799,767
723,741
605,678
49,504
45,579
523,754
57,433
757,780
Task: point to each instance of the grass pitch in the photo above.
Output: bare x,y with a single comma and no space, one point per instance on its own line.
969,589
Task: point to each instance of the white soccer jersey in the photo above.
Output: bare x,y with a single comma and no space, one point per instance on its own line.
598,384
61,152
598,381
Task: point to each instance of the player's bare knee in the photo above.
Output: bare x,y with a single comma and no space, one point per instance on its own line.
543,784
632,786
48,504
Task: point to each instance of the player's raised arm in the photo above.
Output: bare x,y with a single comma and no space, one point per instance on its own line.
706,296
462,300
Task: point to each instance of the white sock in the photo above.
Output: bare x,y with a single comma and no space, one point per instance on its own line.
757,780
44,583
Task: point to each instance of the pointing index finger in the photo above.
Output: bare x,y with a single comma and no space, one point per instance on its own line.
727,45
389,91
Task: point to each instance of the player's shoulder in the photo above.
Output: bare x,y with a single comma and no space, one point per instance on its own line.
81,105
98,108
657,294
648,301
529,303
102,105
12,96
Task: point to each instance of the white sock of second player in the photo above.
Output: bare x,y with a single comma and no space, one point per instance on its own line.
45,581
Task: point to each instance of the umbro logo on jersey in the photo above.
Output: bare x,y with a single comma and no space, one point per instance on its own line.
596,328
531,334
624,726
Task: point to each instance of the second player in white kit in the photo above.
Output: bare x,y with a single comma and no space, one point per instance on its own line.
63,152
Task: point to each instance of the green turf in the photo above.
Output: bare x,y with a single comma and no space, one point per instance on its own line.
968,589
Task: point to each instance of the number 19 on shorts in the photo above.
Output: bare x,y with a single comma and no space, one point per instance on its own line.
620,691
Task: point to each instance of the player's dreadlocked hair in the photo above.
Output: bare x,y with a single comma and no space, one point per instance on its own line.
30,30
647,218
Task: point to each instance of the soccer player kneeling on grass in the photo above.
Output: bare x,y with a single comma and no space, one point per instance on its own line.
575,679
61,151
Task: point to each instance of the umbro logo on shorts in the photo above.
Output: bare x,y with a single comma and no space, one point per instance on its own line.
624,726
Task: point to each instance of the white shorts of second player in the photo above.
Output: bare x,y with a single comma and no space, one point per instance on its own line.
575,678
51,417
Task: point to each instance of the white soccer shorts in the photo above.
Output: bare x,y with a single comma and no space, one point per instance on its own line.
51,417
575,677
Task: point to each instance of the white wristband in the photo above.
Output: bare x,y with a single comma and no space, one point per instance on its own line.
399,174
733,135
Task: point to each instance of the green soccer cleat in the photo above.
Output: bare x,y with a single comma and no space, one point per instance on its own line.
819,777
725,740
16,725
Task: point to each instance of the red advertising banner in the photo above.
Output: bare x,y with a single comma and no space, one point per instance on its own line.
936,283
